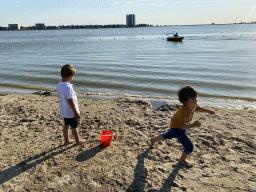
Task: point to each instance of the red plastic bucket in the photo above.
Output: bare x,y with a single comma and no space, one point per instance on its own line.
106,137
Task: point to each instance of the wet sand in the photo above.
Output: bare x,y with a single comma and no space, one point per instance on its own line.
33,157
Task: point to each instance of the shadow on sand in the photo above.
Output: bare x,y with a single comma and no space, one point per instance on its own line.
85,155
141,173
16,170
169,182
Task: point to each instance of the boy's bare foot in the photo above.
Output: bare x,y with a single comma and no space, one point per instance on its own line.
151,145
80,142
185,163
69,142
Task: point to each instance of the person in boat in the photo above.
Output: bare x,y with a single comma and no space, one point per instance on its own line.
175,35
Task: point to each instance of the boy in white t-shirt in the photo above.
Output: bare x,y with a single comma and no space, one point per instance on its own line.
68,104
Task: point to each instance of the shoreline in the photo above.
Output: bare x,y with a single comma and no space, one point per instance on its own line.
155,101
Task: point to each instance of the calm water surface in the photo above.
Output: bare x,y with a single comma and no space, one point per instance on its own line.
218,60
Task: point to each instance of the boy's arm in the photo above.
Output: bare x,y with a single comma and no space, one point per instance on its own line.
206,111
73,107
191,125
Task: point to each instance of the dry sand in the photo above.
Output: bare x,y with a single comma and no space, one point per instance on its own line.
34,159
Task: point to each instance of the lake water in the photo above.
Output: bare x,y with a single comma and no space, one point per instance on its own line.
217,60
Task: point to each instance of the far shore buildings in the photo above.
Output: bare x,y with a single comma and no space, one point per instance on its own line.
3,28
130,20
14,26
40,26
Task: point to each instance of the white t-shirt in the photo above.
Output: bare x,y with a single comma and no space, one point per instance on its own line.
66,91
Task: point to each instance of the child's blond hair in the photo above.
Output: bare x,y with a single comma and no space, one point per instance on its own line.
68,71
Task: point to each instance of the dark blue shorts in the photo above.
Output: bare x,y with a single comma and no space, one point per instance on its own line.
73,122
182,137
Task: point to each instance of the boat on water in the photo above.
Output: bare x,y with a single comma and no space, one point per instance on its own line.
174,37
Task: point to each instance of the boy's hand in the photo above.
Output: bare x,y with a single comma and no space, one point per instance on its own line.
77,116
211,112
73,108
197,123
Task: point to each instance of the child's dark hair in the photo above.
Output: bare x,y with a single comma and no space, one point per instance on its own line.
185,93
68,71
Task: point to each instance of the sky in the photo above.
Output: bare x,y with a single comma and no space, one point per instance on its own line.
102,12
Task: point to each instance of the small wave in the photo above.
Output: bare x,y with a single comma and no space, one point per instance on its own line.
157,101
24,87
29,53
233,39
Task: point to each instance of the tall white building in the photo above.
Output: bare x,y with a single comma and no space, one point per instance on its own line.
130,20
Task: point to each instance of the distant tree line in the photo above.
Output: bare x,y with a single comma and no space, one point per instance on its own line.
74,27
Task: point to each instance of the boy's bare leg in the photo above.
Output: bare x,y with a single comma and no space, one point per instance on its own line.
183,161
76,136
156,139
65,134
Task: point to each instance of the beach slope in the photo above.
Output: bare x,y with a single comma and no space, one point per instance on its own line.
33,157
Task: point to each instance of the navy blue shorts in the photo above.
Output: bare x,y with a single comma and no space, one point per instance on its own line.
73,122
182,137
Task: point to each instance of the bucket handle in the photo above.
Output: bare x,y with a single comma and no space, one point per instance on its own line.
108,135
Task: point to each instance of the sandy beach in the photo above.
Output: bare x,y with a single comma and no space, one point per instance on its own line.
33,157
